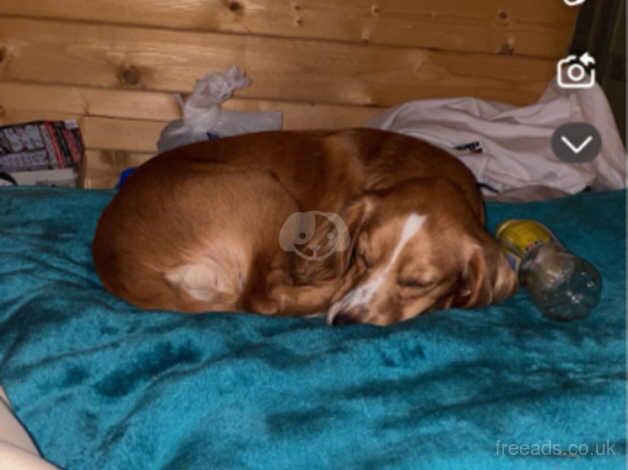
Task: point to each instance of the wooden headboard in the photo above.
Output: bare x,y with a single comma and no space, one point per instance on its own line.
115,64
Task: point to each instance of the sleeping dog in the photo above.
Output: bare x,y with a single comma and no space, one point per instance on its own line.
364,225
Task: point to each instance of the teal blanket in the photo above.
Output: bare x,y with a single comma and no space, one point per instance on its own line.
101,385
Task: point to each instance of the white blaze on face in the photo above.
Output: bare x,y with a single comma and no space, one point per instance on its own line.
363,294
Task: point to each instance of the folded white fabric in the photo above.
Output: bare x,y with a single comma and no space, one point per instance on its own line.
509,147
17,451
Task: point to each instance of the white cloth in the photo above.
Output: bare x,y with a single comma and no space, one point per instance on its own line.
515,142
17,451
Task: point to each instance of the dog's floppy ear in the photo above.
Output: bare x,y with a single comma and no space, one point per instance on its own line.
486,277
473,288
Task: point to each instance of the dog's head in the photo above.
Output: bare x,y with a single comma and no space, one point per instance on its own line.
413,248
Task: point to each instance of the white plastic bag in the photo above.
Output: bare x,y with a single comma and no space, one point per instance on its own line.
203,117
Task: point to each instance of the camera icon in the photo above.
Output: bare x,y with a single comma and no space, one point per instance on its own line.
575,72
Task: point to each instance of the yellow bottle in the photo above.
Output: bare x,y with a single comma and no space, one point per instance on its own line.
562,285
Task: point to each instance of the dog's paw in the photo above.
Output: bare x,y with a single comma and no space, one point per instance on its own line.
264,305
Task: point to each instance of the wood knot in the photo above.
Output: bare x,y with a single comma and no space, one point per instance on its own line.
299,21
129,75
235,7
502,15
374,10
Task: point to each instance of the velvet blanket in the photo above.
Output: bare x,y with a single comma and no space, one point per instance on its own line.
101,385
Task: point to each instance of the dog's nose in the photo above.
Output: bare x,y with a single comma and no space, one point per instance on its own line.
343,318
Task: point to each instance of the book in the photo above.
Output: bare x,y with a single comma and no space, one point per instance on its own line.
42,153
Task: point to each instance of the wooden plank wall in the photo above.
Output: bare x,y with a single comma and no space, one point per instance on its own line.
115,64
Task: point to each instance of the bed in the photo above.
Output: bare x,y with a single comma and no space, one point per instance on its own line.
100,384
